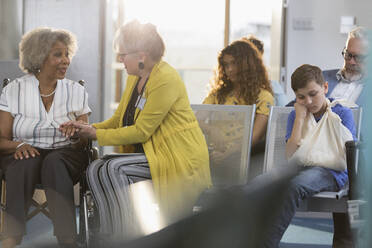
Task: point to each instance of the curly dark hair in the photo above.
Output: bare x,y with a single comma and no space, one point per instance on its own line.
252,74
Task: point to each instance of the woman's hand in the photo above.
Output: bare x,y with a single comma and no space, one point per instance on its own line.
68,129
83,130
26,151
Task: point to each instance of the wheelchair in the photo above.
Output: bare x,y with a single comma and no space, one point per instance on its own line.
82,198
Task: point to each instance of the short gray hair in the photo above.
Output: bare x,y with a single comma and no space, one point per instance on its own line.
140,37
359,33
36,45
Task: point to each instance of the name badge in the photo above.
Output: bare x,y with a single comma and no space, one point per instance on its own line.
141,103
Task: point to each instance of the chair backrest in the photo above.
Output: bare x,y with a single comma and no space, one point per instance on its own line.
227,128
276,131
275,137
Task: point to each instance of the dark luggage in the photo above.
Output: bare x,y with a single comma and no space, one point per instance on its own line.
108,180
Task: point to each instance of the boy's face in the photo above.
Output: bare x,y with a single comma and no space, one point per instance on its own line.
312,96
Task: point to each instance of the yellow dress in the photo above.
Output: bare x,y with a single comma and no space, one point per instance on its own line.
172,140
264,100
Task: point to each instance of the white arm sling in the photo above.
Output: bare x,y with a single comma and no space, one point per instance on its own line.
323,142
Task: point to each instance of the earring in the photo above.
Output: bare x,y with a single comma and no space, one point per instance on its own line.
141,65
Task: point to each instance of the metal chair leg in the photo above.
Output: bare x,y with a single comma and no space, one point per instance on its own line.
85,205
3,204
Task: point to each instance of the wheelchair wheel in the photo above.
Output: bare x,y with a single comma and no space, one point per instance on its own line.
90,222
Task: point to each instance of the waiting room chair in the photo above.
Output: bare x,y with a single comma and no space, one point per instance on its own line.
275,156
226,127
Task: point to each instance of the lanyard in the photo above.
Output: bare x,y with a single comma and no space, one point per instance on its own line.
139,97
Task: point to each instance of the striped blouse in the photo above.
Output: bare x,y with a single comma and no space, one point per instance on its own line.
32,123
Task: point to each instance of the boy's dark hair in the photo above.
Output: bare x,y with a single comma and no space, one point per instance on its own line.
304,74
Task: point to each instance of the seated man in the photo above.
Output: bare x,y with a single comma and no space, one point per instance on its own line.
347,83
311,102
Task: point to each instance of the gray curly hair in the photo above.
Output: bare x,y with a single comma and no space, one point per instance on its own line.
36,45
140,37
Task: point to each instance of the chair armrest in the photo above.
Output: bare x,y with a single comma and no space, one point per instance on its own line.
333,195
351,160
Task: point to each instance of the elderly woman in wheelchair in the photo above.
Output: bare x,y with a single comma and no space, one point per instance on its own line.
33,148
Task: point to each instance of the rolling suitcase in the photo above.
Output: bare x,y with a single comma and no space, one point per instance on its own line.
109,181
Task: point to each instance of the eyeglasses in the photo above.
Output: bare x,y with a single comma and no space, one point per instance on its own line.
359,58
122,55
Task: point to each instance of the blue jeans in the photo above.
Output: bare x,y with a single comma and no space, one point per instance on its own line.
308,182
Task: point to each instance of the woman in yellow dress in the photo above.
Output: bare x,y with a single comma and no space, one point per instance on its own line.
154,116
241,79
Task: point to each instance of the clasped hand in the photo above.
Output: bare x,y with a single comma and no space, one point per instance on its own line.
79,128
25,151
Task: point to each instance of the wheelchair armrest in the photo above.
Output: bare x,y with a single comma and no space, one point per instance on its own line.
92,151
351,160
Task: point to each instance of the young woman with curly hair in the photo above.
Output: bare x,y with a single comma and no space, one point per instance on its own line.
241,79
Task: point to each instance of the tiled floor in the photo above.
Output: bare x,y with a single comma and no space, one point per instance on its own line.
304,232
308,232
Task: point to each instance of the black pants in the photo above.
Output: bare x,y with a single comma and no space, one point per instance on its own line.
57,170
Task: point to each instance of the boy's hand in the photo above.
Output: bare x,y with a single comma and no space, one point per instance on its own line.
301,111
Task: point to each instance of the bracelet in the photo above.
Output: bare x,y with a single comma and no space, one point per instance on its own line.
21,144
74,141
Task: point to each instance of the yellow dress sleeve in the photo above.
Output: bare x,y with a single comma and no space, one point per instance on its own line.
264,101
160,98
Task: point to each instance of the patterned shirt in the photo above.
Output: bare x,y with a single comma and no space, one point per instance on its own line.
32,123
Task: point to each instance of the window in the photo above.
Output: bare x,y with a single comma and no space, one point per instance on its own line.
252,17
193,33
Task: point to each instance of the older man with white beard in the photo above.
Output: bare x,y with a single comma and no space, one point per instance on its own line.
347,83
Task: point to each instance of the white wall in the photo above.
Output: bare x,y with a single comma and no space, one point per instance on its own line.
321,45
